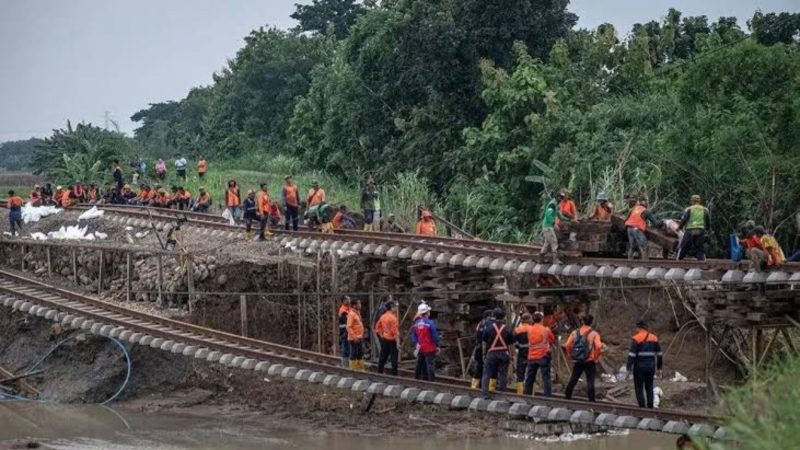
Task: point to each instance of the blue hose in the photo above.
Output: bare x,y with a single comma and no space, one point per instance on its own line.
5,396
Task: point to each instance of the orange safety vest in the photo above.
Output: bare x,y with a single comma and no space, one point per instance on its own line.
187,195
292,198
601,214
337,220
315,197
387,327
65,201
355,327
426,227
498,343
262,203
540,338
202,166
635,218
15,202
91,194
232,197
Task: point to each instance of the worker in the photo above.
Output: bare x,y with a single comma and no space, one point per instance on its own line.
342,220
369,203
583,347
775,256
78,193
644,358
751,240
250,213
603,210
290,198
387,330
521,343
35,198
696,221
316,195
275,215
160,198
355,336
425,338
127,194
390,225
341,318
66,197
202,167
477,352
117,174
567,209
203,201
15,204
233,200
496,353
47,194
636,225
180,167
263,210
426,226
319,216
552,212
92,195
540,340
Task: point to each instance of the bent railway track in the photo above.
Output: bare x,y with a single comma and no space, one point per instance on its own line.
100,317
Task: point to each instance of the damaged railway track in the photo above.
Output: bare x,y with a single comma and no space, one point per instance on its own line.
183,339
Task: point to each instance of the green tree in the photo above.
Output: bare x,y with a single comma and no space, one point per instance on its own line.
17,155
322,14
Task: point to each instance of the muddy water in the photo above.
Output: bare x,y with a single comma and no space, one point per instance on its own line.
91,427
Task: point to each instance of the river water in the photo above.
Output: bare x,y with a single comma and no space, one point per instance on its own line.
92,427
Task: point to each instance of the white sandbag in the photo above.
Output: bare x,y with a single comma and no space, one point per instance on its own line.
92,213
31,214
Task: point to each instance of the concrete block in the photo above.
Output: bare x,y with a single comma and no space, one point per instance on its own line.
360,386
430,257
587,271
36,310
638,273
511,266
418,254
582,416
778,277
60,316
461,402
571,270
693,275
145,339
484,262
470,261
650,424
555,269
675,274
213,356
133,338
156,342
498,406
410,394
369,248
26,306
525,267
456,260
405,253
8,301
605,420
178,348
302,375
426,396
87,325
443,258
393,251
345,383
167,345
95,329
331,380
237,362
755,277
289,372
604,272
67,320
202,353
539,412
479,404
701,429
51,314
393,390
262,366
621,272
675,427
733,276
497,264
316,377
795,277
380,250
539,268
116,333
325,245
519,409
443,398
626,422
656,273
376,388
275,370
560,414
720,434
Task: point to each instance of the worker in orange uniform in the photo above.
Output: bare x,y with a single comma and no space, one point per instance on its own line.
583,347
355,336
233,200
15,203
341,318
202,167
203,201
92,195
644,358
521,343
387,329
263,210
603,210
540,340
636,225
66,201
342,220
290,198
35,199
426,226
316,195
566,207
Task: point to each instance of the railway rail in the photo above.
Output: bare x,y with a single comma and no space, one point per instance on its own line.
100,317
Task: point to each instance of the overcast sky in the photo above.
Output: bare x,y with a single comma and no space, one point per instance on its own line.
77,59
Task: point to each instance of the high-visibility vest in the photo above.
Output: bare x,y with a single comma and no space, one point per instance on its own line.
498,343
426,227
697,218
232,197
262,203
290,192
635,218
202,166
539,342
315,197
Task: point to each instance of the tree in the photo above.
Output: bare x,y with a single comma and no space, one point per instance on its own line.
322,14
17,155
770,29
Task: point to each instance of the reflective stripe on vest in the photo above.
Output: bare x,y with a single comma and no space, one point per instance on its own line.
635,219
498,337
697,218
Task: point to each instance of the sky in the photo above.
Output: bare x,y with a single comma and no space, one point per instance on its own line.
83,59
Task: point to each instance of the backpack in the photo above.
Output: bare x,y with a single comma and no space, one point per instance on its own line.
581,347
736,248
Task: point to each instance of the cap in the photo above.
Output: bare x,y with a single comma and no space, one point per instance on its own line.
426,213
527,317
250,192
59,187
538,315
695,198
423,309
499,314
287,177
601,197
315,183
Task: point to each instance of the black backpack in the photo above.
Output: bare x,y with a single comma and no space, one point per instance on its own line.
581,348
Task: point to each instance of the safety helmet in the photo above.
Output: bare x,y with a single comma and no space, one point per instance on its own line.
695,198
423,309
601,197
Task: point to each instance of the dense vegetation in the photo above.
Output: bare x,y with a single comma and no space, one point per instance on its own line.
16,155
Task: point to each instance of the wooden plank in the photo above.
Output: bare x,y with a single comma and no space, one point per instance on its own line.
23,385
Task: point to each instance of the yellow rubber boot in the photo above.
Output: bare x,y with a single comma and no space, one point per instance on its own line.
353,364
520,387
248,236
492,384
475,383
362,366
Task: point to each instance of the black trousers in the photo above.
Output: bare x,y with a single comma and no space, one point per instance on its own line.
426,366
388,353
291,217
694,241
264,221
643,385
478,355
522,364
356,350
581,367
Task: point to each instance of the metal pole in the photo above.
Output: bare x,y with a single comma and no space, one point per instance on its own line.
319,301
243,313
160,280
334,288
100,273
128,276
74,267
299,312
190,281
49,262
22,257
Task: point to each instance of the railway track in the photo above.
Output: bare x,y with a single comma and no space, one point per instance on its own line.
96,316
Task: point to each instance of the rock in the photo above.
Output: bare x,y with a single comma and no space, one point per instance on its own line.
222,279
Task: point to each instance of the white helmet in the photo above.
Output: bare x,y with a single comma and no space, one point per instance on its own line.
423,309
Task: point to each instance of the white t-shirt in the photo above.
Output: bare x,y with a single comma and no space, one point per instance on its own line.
180,164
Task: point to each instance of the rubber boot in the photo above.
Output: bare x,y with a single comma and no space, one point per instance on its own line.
248,236
353,364
520,387
345,362
362,366
475,383
267,232
492,385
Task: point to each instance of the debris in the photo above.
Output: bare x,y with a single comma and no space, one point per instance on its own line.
142,234
657,393
32,214
38,236
678,378
92,213
72,232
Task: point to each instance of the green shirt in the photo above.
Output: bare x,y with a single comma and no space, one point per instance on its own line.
550,213
697,218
